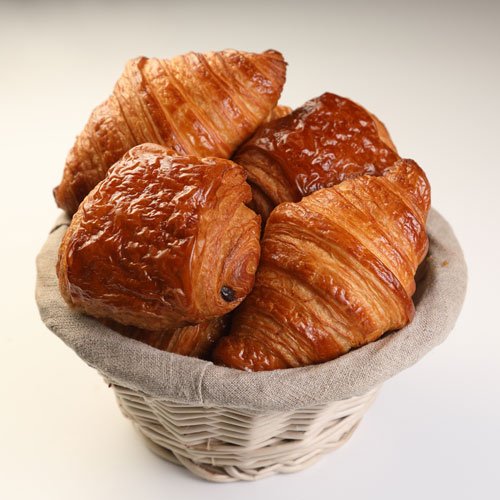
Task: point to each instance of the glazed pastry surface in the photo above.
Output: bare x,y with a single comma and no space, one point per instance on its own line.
199,104
336,272
196,340
162,242
325,141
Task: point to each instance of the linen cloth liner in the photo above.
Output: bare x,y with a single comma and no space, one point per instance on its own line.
130,363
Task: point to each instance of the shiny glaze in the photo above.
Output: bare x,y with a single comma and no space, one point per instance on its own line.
336,272
325,141
199,104
155,242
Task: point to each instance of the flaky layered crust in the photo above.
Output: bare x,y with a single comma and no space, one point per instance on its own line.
336,272
325,141
196,340
199,104
278,111
162,242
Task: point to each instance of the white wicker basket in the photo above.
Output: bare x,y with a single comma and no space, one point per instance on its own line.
227,425
225,444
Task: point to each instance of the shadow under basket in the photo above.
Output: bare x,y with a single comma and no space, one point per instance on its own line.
227,425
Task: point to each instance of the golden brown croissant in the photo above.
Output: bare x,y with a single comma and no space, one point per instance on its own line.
200,104
318,145
196,340
162,242
336,272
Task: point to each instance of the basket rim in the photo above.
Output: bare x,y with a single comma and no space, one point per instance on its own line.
162,375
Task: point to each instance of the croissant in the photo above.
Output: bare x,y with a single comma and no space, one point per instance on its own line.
199,104
318,145
336,272
195,340
162,242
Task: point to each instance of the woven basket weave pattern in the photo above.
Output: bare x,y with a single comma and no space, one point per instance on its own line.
223,444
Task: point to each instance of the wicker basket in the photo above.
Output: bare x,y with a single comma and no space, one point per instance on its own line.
225,425
224,444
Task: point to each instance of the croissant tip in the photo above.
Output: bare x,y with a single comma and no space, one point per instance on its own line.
274,53
56,193
69,205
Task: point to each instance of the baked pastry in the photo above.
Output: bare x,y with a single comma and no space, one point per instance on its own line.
163,241
325,141
196,341
336,272
278,111
199,104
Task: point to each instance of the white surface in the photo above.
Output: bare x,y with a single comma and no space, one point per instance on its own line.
432,74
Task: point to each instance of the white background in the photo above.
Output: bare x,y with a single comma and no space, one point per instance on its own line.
430,71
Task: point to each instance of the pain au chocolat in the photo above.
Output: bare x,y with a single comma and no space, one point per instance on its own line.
336,272
164,241
197,104
325,141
